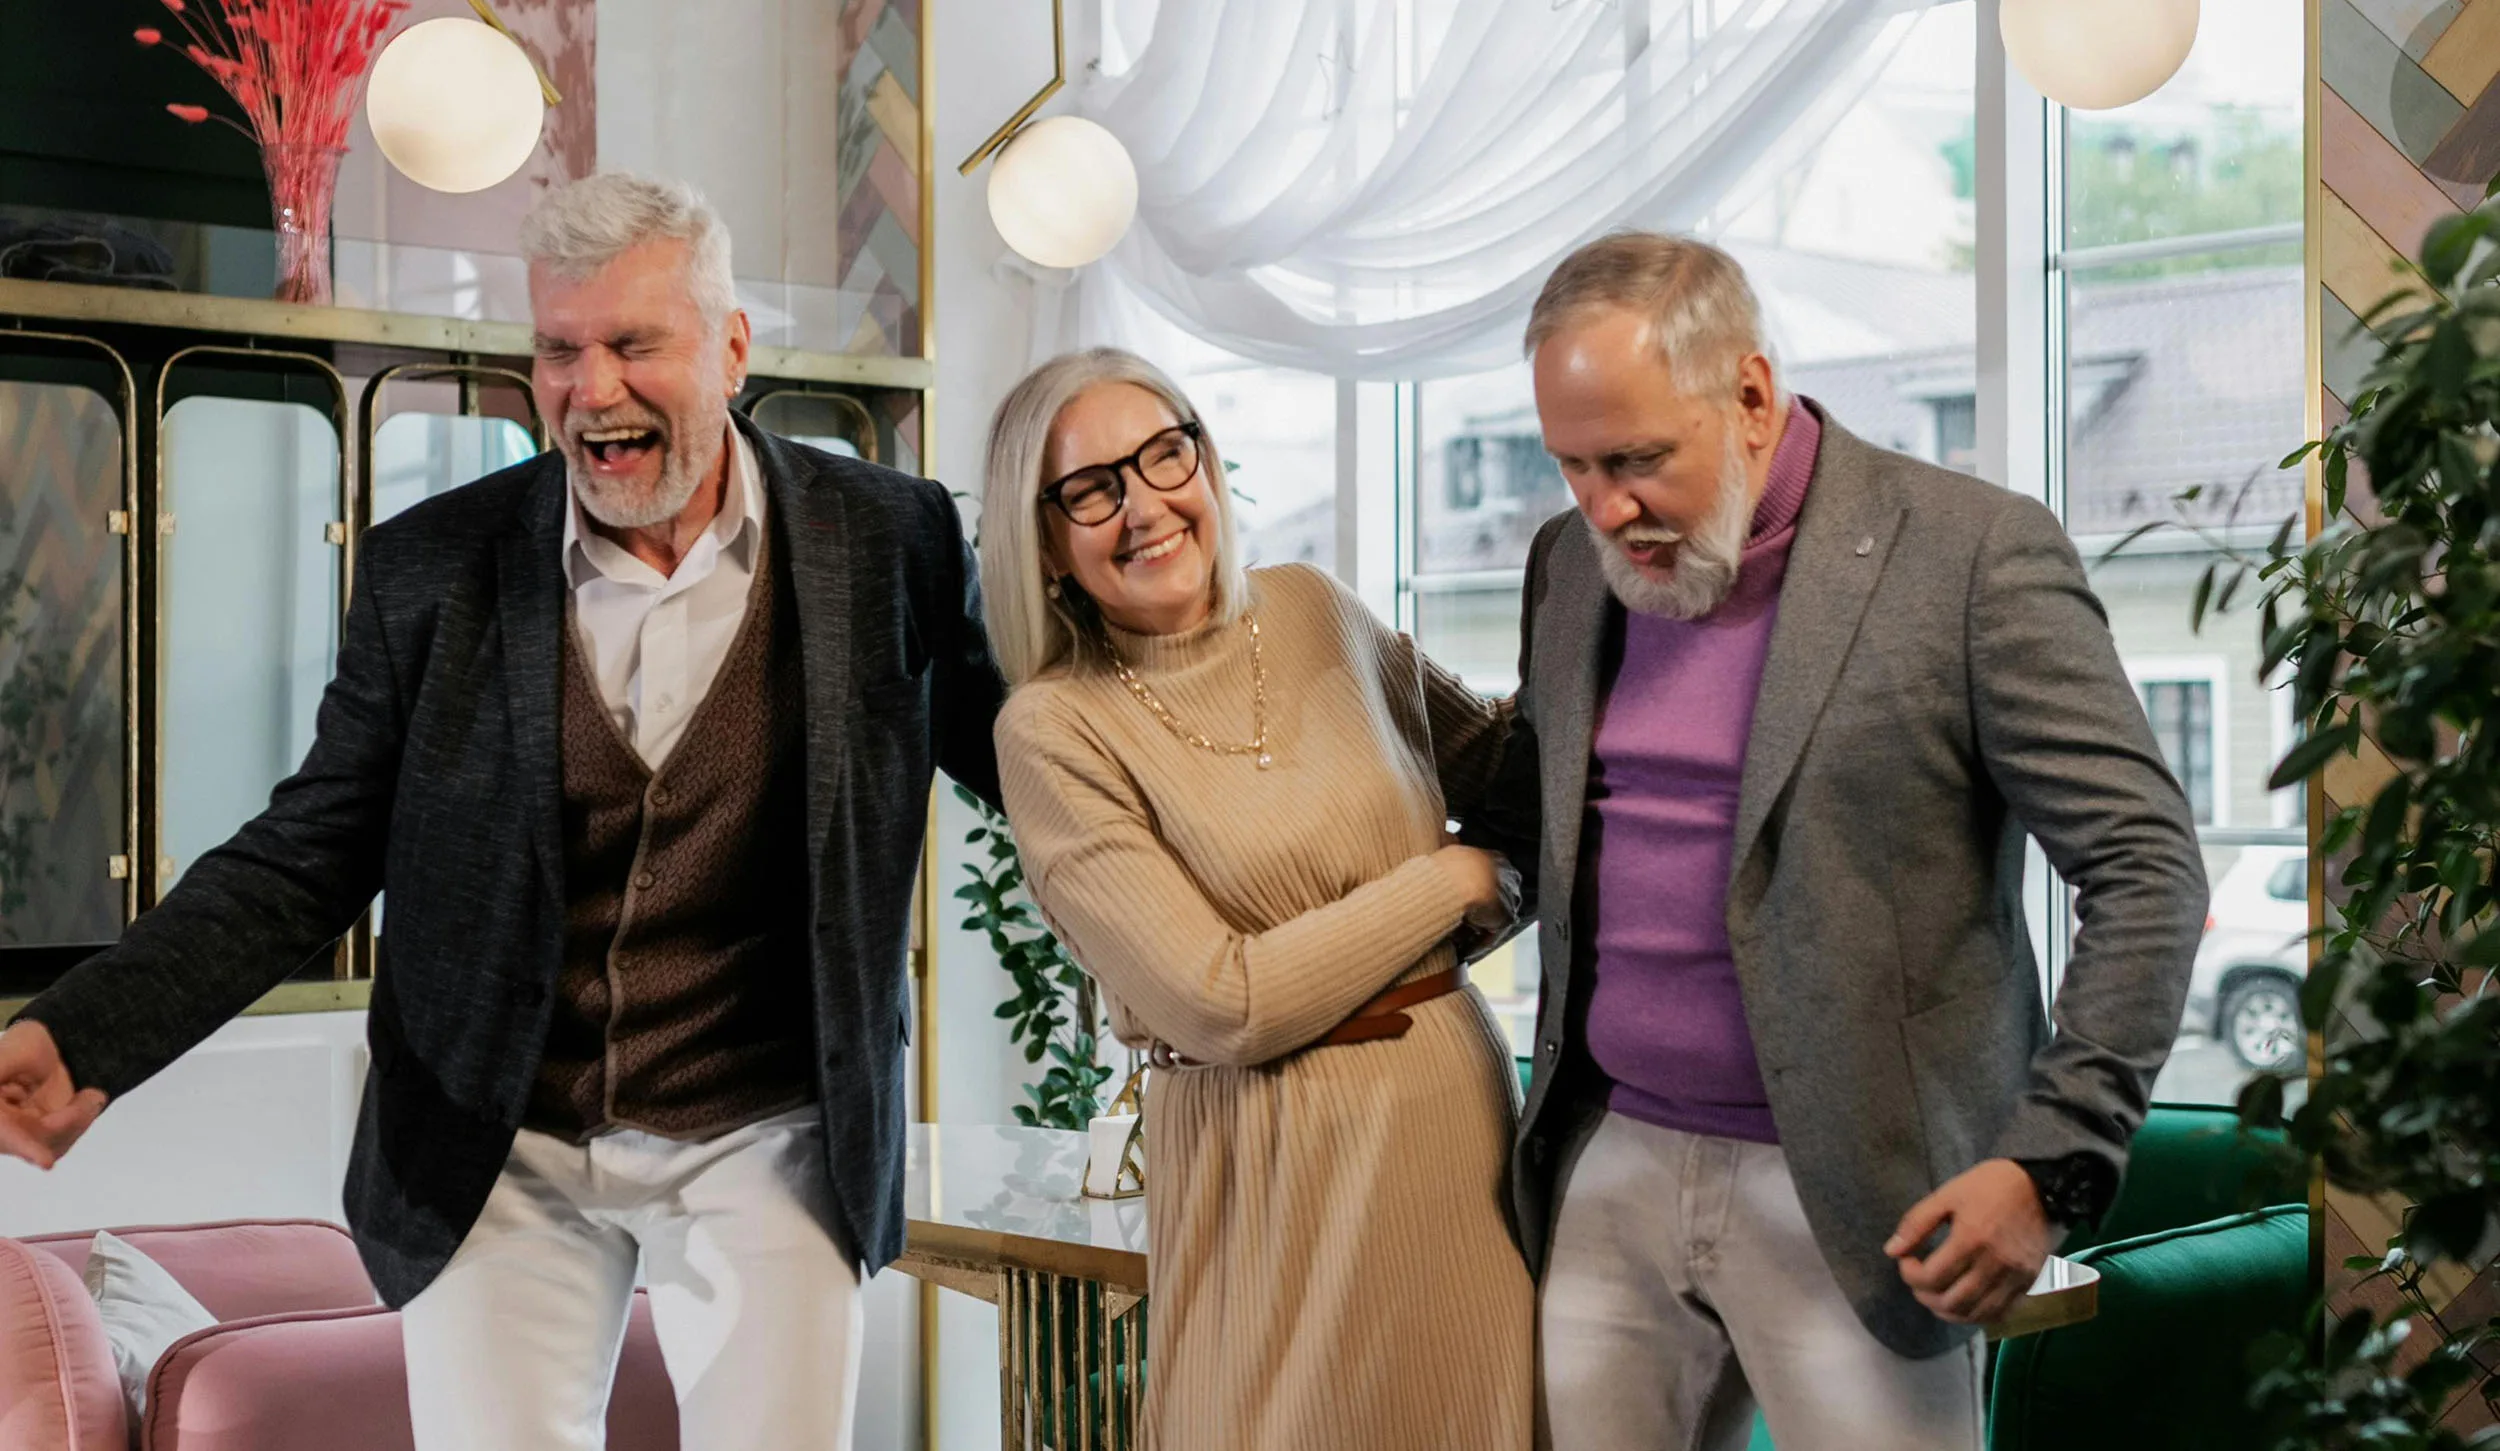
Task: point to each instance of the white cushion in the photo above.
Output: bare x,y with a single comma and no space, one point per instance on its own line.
144,1310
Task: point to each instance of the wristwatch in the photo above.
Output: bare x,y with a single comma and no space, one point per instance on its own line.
2075,1190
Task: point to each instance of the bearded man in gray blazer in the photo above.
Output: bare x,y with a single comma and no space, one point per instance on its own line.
1789,704
638,736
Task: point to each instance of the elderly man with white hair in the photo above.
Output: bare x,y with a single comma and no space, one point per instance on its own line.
1799,1125
638,737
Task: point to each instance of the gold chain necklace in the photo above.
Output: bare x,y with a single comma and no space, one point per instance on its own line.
1257,744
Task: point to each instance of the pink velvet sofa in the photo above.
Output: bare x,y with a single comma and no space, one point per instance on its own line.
303,1357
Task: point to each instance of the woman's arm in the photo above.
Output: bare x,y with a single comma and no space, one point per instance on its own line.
1133,915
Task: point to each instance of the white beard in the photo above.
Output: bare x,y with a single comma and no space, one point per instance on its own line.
680,475
1706,562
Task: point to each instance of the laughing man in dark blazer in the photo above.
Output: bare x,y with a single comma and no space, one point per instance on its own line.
638,738
1788,705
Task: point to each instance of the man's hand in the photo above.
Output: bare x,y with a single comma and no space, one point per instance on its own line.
42,1113
1999,1239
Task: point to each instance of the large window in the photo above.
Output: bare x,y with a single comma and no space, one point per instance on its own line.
1277,429
2174,368
2182,370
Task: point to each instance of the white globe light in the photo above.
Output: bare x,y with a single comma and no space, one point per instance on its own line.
2093,55
1063,191
454,105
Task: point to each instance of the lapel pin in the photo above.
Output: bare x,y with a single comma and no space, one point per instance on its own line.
1866,546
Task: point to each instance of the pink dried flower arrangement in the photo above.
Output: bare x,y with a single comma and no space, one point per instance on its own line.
294,66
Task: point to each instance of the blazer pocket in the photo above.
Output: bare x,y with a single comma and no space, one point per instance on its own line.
1965,1073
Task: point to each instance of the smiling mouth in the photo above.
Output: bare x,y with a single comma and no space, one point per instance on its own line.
1158,551
618,447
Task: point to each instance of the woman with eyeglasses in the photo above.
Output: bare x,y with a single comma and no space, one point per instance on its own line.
1230,789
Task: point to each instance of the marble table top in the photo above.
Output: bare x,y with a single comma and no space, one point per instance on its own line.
1014,1196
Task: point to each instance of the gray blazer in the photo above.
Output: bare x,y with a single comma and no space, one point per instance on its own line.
435,773
1940,681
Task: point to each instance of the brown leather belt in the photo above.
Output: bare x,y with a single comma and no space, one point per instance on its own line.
1384,1016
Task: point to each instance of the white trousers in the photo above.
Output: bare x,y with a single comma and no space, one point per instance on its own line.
1685,1288
758,1313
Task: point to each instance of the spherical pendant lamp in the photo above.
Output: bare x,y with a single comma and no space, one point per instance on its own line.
455,105
1063,191
2094,55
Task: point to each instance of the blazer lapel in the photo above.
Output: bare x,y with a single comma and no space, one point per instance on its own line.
805,521
1570,629
1843,538
530,595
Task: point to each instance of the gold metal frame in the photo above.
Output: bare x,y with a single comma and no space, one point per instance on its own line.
865,438
1036,1341
2313,508
926,1064
157,523
259,318
126,525
357,515
546,87
1058,77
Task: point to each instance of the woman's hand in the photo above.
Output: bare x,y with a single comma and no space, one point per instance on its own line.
1488,882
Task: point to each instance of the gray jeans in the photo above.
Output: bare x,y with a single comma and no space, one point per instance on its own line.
1684,1289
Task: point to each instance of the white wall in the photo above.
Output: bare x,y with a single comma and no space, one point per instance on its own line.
254,1123
990,57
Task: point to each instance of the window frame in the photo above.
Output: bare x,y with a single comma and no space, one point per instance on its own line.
2214,673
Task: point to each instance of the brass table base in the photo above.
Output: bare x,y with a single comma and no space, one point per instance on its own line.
1071,1353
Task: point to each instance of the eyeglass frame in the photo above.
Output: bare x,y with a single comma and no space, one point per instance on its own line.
1131,463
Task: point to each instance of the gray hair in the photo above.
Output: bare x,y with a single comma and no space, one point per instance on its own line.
582,226
1707,317
1030,630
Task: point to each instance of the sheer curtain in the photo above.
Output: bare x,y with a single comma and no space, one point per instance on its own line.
1376,188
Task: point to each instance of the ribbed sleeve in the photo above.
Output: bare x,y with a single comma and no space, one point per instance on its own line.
1138,921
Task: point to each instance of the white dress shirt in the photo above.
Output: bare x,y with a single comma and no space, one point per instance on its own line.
654,642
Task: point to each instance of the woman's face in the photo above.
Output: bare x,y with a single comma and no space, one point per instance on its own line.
1150,567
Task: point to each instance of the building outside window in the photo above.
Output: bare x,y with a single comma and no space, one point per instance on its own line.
2182,713
2180,304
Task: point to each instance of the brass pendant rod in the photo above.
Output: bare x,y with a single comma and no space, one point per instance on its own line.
1058,77
546,87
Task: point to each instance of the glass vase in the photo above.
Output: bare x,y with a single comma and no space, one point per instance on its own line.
303,177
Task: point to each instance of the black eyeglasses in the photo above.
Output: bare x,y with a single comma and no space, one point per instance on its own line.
1096,494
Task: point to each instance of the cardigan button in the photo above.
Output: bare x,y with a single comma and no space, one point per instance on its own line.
645,881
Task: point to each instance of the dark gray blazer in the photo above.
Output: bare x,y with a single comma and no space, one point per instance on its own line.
434,775
1940,681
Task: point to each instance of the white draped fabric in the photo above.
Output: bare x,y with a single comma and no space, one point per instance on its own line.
1377,188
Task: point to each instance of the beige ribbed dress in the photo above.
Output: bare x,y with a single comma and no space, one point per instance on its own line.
1330,1265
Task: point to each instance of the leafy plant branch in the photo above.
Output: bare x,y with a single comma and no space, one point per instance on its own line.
1055,1012
2388,623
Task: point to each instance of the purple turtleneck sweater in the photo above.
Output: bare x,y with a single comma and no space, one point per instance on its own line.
1675,705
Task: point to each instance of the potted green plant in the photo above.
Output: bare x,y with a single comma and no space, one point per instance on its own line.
2388,622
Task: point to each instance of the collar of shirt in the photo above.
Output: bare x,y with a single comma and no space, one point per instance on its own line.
739,527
